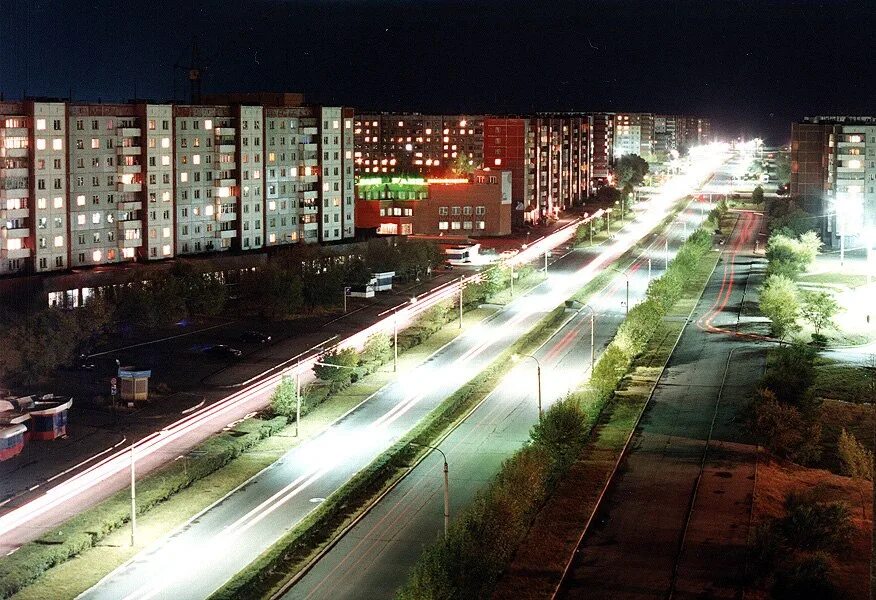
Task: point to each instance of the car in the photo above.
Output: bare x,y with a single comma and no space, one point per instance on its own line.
255,337
223,351
447,266
83,362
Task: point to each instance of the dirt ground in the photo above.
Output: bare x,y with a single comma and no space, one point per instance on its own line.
776,478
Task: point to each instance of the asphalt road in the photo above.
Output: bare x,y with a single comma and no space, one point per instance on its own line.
230,534
665,530
379,552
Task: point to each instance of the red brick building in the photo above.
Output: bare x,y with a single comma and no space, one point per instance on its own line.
477,206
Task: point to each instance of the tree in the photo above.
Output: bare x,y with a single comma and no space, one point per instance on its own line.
463,165
202,293
607,195
818,308
857,460
630,169
346,361
783,429
377,349
276,293
783,166
789,256
757,195
283,401
779,303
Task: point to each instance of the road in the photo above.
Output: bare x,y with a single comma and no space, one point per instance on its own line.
230,534
675,519
379,552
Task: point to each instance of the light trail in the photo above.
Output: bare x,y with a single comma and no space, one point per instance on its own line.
215,415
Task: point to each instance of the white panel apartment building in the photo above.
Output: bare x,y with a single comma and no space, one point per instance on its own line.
91,184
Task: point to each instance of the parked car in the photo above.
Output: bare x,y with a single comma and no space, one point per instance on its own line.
223,351
447,266
255,337
83,362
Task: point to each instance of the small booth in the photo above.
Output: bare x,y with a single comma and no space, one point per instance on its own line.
134,384
363,291
48,415
383,281
11,440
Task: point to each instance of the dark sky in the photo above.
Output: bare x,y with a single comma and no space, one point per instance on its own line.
751,66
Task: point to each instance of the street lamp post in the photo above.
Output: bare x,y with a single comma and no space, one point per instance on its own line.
133,498
395,333
511,264
297,397
608,220
591,232
461,279
346,293
538,377
446,485
649,268
666,249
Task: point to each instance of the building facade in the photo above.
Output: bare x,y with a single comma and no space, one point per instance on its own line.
833,173
601,150
93,184
633,134
479,205
412,143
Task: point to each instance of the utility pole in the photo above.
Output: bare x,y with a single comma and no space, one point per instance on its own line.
545,261
666,248
346,291
297,397
133,498
592,340
395,341
512,279
649,268
591,231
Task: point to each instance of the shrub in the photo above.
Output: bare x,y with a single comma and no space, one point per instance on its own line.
813,525
561,431
283,400
779,303
791,373
781,428
807,579
856,459
819,308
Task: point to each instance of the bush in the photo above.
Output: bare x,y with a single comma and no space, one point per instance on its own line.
561,431
856,459
781,428
813,525
791,374
779,303
283,400
791,257
807,579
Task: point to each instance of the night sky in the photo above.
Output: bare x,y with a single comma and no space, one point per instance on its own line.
753,67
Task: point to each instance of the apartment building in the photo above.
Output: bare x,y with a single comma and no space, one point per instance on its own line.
508,145
601,150
409,143
665,138
561,164
833,172
92,184
633,134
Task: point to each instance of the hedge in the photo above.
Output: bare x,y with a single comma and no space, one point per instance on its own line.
87,529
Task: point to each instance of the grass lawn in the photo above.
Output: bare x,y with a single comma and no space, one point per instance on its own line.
828,278
844,382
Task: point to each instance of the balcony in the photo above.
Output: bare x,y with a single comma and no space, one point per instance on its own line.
129,205
219,131
227,234
13,254
20,132
311,226
224,148
15,234
14,213
128,131
226,217
217,183
14,152
311,147
13,172
128,150
134,243
14,193
129,187
128,224
224,166
311,195
309,130
130,169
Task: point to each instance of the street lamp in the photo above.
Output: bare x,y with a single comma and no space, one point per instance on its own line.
627,277
446,485
592,336
133,498
608,218
346,293
516,358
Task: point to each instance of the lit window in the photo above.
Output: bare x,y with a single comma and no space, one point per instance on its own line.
401,123
59,241
40,124
208,210
165,232
41,144
165,142
41,203
165,196
183,177
57,144
96,256
80,200
336,124
165,161
462,123
428,132
408,147
165,250
128,252
497,162
272,205
95,218
80,219
272,238
196,159
854,164
208,124
59,202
